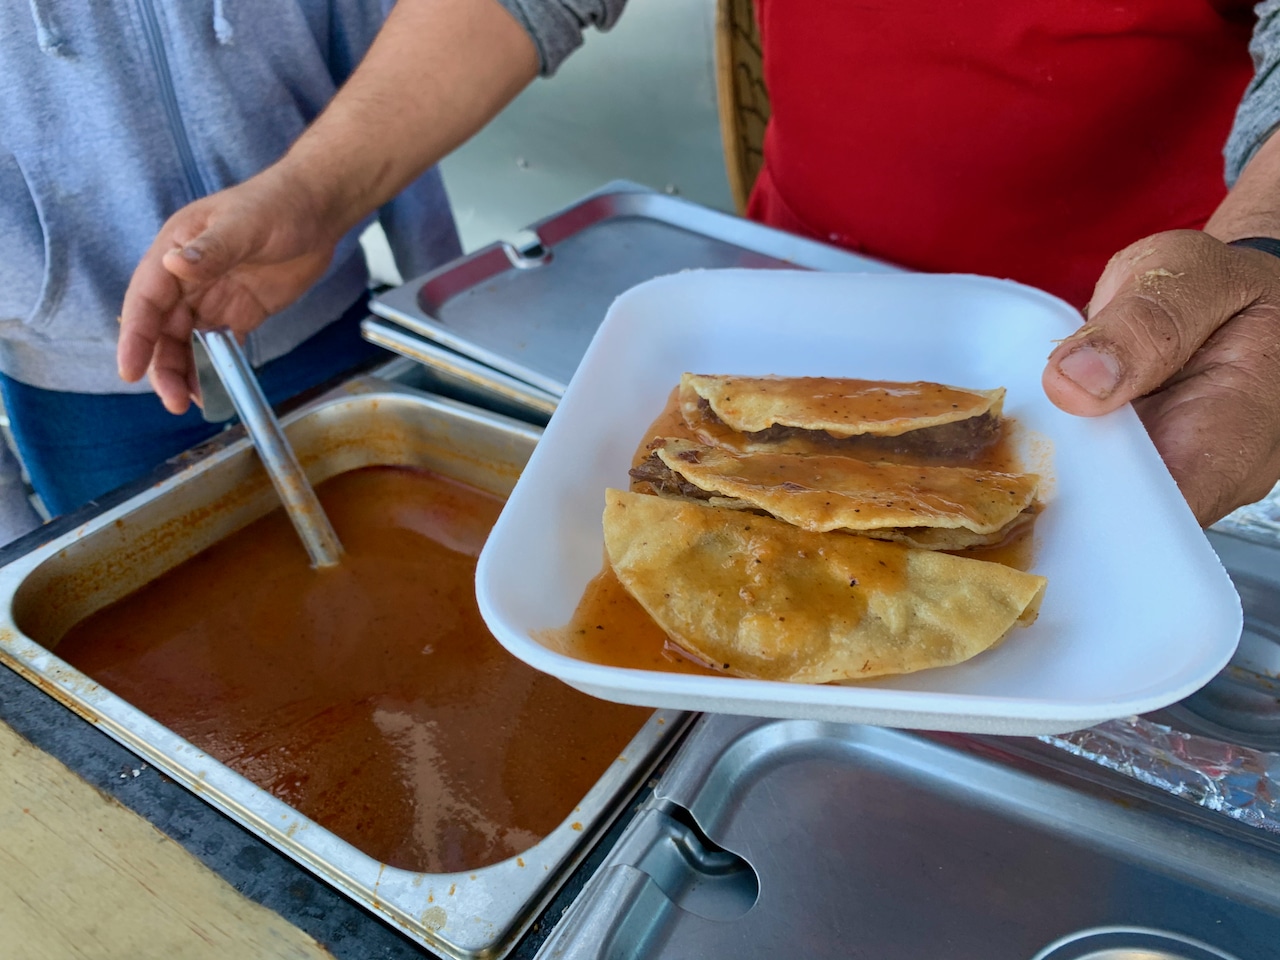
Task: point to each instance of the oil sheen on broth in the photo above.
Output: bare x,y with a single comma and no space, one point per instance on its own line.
609,627
371,696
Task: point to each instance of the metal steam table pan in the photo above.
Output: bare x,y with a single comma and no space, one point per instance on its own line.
529,307
801,839
1241,705
462,378
369,422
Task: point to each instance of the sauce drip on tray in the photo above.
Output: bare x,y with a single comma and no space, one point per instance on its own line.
611,628
370,696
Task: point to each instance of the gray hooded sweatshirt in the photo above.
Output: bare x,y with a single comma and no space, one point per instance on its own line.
116,113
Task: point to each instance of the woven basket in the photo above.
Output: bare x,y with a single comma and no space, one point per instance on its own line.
743,99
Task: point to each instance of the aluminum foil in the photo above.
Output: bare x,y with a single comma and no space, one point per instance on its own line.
1237,781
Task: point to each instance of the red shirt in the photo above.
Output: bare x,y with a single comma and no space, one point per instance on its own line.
1029,139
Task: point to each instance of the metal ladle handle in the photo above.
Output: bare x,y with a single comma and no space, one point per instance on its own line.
246,395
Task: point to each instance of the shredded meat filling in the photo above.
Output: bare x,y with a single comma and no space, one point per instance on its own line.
665,481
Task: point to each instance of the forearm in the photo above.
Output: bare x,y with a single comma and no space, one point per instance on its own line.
1252,208
1252,151
438,71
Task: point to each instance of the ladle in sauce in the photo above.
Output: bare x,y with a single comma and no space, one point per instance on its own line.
235,379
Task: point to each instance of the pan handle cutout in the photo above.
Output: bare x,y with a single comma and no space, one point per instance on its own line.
696,873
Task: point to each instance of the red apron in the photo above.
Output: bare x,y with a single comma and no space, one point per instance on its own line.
1029,139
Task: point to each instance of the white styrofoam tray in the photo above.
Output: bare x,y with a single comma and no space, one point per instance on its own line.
1138,612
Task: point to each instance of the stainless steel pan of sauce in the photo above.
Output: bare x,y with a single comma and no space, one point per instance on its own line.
360,718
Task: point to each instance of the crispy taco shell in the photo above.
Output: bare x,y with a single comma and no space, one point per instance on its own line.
760,598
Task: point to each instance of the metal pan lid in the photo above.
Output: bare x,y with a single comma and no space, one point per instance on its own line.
529,306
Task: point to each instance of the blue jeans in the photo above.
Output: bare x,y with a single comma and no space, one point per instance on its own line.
78,446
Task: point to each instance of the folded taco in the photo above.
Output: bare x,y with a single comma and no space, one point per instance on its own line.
933,507
813,414
760,598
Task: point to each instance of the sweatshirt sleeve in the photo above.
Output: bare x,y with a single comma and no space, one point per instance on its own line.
556,26
1259,112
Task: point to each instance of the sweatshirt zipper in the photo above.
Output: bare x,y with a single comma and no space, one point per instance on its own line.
155,42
